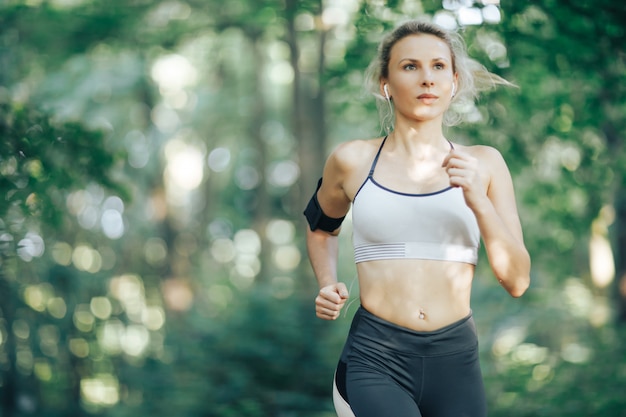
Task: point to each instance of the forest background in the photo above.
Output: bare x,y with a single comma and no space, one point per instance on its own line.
155,158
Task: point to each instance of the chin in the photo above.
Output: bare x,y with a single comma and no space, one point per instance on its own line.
426,117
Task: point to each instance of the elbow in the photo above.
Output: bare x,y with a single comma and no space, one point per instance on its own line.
517,293
515,285
518,286
518,290
521,280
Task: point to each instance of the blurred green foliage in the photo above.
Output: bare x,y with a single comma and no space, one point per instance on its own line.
37,153
155,157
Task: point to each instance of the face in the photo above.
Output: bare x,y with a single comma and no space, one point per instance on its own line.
421,77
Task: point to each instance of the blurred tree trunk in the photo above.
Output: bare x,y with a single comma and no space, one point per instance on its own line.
263,210
296,98
308,123
620,253
9,374
308,114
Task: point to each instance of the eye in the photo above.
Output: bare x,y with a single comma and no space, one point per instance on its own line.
409,67
439,66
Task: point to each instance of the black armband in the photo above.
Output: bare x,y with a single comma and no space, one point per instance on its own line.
316,217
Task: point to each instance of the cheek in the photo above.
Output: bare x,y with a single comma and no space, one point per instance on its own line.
446,76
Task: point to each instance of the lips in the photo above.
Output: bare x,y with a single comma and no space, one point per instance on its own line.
427,97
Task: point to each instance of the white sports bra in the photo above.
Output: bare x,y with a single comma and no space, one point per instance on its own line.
389,224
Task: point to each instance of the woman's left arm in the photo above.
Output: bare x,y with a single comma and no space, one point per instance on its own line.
488,191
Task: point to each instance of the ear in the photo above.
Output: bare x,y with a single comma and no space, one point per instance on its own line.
455,83
384,89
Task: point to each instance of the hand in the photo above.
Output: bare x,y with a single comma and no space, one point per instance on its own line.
464,172
330,301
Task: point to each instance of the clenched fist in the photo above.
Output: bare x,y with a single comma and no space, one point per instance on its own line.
330,301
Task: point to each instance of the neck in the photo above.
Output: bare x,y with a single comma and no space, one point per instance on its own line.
419,139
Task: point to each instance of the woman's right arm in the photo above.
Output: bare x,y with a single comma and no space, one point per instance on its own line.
322,245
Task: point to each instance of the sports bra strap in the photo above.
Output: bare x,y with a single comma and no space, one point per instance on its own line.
376,158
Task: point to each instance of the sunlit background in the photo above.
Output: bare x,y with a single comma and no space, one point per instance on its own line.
155,159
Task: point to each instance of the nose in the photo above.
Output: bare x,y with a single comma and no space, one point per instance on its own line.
427,78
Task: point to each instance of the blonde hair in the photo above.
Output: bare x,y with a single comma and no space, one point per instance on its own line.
472,77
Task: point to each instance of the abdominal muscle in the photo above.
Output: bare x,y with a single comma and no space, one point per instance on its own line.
400,290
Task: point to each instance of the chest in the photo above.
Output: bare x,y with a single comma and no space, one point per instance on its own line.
381,215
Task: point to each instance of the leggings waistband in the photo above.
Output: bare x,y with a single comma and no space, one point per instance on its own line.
372,330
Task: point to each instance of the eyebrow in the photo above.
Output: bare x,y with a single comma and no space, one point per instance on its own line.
417,60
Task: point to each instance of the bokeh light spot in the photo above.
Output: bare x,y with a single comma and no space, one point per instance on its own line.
219,159
57,307
101,307
112,224
287,258
280,232
223,250
153,317
155,251
101,390
62,253
177,294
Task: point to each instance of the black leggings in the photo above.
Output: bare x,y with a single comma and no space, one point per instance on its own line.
389,370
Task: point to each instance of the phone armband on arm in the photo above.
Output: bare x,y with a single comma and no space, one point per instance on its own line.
316,217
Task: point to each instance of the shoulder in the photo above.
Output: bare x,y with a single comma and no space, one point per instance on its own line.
495,171
351,155
348,165
488,156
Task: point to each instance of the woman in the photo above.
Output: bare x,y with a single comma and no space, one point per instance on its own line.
420,205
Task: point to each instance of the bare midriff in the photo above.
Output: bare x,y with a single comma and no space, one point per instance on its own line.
422,295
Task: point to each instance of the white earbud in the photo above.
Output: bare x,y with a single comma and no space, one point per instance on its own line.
386,91
453,89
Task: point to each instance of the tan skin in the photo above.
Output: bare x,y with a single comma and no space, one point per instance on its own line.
417,159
